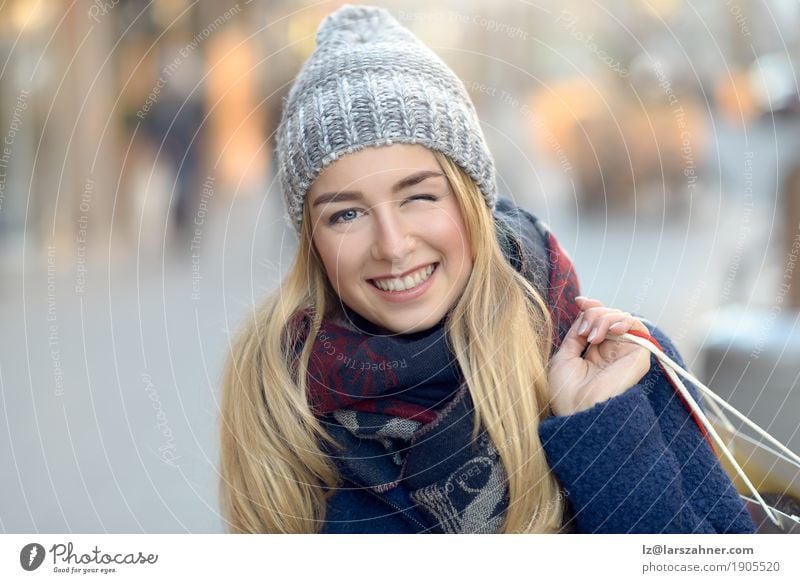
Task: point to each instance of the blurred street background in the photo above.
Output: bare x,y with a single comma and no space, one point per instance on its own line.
140,220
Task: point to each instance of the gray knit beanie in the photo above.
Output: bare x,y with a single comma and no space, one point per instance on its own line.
371,82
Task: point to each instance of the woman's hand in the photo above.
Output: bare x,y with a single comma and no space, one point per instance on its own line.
607,369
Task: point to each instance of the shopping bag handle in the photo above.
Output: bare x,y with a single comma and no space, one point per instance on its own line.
672,370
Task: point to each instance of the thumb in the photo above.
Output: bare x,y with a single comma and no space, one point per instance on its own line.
573,344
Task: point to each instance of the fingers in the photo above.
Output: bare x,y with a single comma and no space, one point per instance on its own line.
630,323
573,344
615,322
597,321
584,302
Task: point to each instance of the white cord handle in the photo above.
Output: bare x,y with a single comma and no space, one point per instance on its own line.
673,369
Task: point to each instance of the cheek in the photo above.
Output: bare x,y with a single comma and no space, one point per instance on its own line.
459,252
451,236
334,257
327,256
443,225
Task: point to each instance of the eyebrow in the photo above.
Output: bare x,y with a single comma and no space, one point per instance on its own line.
408,181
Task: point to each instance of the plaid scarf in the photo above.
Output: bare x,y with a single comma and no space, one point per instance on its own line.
399,405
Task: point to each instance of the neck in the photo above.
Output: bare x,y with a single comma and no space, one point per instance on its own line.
359,323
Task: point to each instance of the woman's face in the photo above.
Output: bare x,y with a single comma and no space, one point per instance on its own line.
391,236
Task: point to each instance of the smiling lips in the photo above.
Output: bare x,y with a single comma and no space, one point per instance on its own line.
410,281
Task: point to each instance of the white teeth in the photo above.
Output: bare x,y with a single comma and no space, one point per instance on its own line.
408,282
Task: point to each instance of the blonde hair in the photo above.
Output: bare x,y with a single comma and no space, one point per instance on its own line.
275,477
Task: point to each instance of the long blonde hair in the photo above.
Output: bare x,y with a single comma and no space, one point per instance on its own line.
275,477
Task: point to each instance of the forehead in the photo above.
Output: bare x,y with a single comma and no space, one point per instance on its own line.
374,166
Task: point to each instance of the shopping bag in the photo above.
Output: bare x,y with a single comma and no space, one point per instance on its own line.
765,472
775,476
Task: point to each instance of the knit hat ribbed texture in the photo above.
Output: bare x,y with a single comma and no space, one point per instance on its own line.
371,82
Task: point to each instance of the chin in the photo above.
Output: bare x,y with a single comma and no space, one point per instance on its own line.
410,326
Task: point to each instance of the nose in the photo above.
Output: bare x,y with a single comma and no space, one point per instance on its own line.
392,238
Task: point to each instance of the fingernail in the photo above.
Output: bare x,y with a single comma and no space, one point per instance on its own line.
592,335
584,327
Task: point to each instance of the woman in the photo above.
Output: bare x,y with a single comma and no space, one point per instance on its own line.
426,365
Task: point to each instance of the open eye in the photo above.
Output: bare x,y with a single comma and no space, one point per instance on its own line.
335,218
